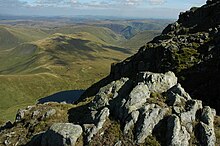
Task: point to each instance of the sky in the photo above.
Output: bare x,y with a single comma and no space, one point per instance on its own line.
119,8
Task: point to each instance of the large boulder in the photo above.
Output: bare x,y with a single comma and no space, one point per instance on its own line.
137,97
158,82
107,93
150,117
61,134
189,116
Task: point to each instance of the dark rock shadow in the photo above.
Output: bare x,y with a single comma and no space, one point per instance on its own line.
64,96
7,125
81,115
36,140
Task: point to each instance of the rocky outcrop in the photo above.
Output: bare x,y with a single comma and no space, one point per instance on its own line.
61,134
20,115
145,116
142,106
142,112
177,95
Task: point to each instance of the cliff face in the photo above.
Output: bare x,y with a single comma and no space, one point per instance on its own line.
189,47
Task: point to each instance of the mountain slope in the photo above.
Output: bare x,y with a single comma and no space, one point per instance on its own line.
129,28
64,61
37,56
13,36
104,34
140,39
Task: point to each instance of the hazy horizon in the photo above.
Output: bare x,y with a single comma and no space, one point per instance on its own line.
168,9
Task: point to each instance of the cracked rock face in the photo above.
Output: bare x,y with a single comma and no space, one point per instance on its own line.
148,120
158,83
142,113
92,129
207,133
177,134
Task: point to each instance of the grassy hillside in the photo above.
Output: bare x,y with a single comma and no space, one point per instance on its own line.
102,33
140,39
59,62
39,61
13,36
130,28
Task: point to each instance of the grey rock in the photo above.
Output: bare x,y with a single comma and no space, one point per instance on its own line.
107,93
177,135
177,95
61,134
50,113
158,82
137,97
177,110
188,117
92,129
7,142
176,100
131,121
119,143
35,113
148,121
206,128
208,115
20,115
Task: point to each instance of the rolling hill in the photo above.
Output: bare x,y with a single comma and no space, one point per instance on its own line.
12,36
102,33
140,39
50,59
53,64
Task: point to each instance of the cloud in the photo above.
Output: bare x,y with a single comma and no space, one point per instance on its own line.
55,3
78,3
12,3
127,2
93,3
156,2
132,2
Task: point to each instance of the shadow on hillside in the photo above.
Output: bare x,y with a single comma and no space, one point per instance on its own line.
119,49
64,96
